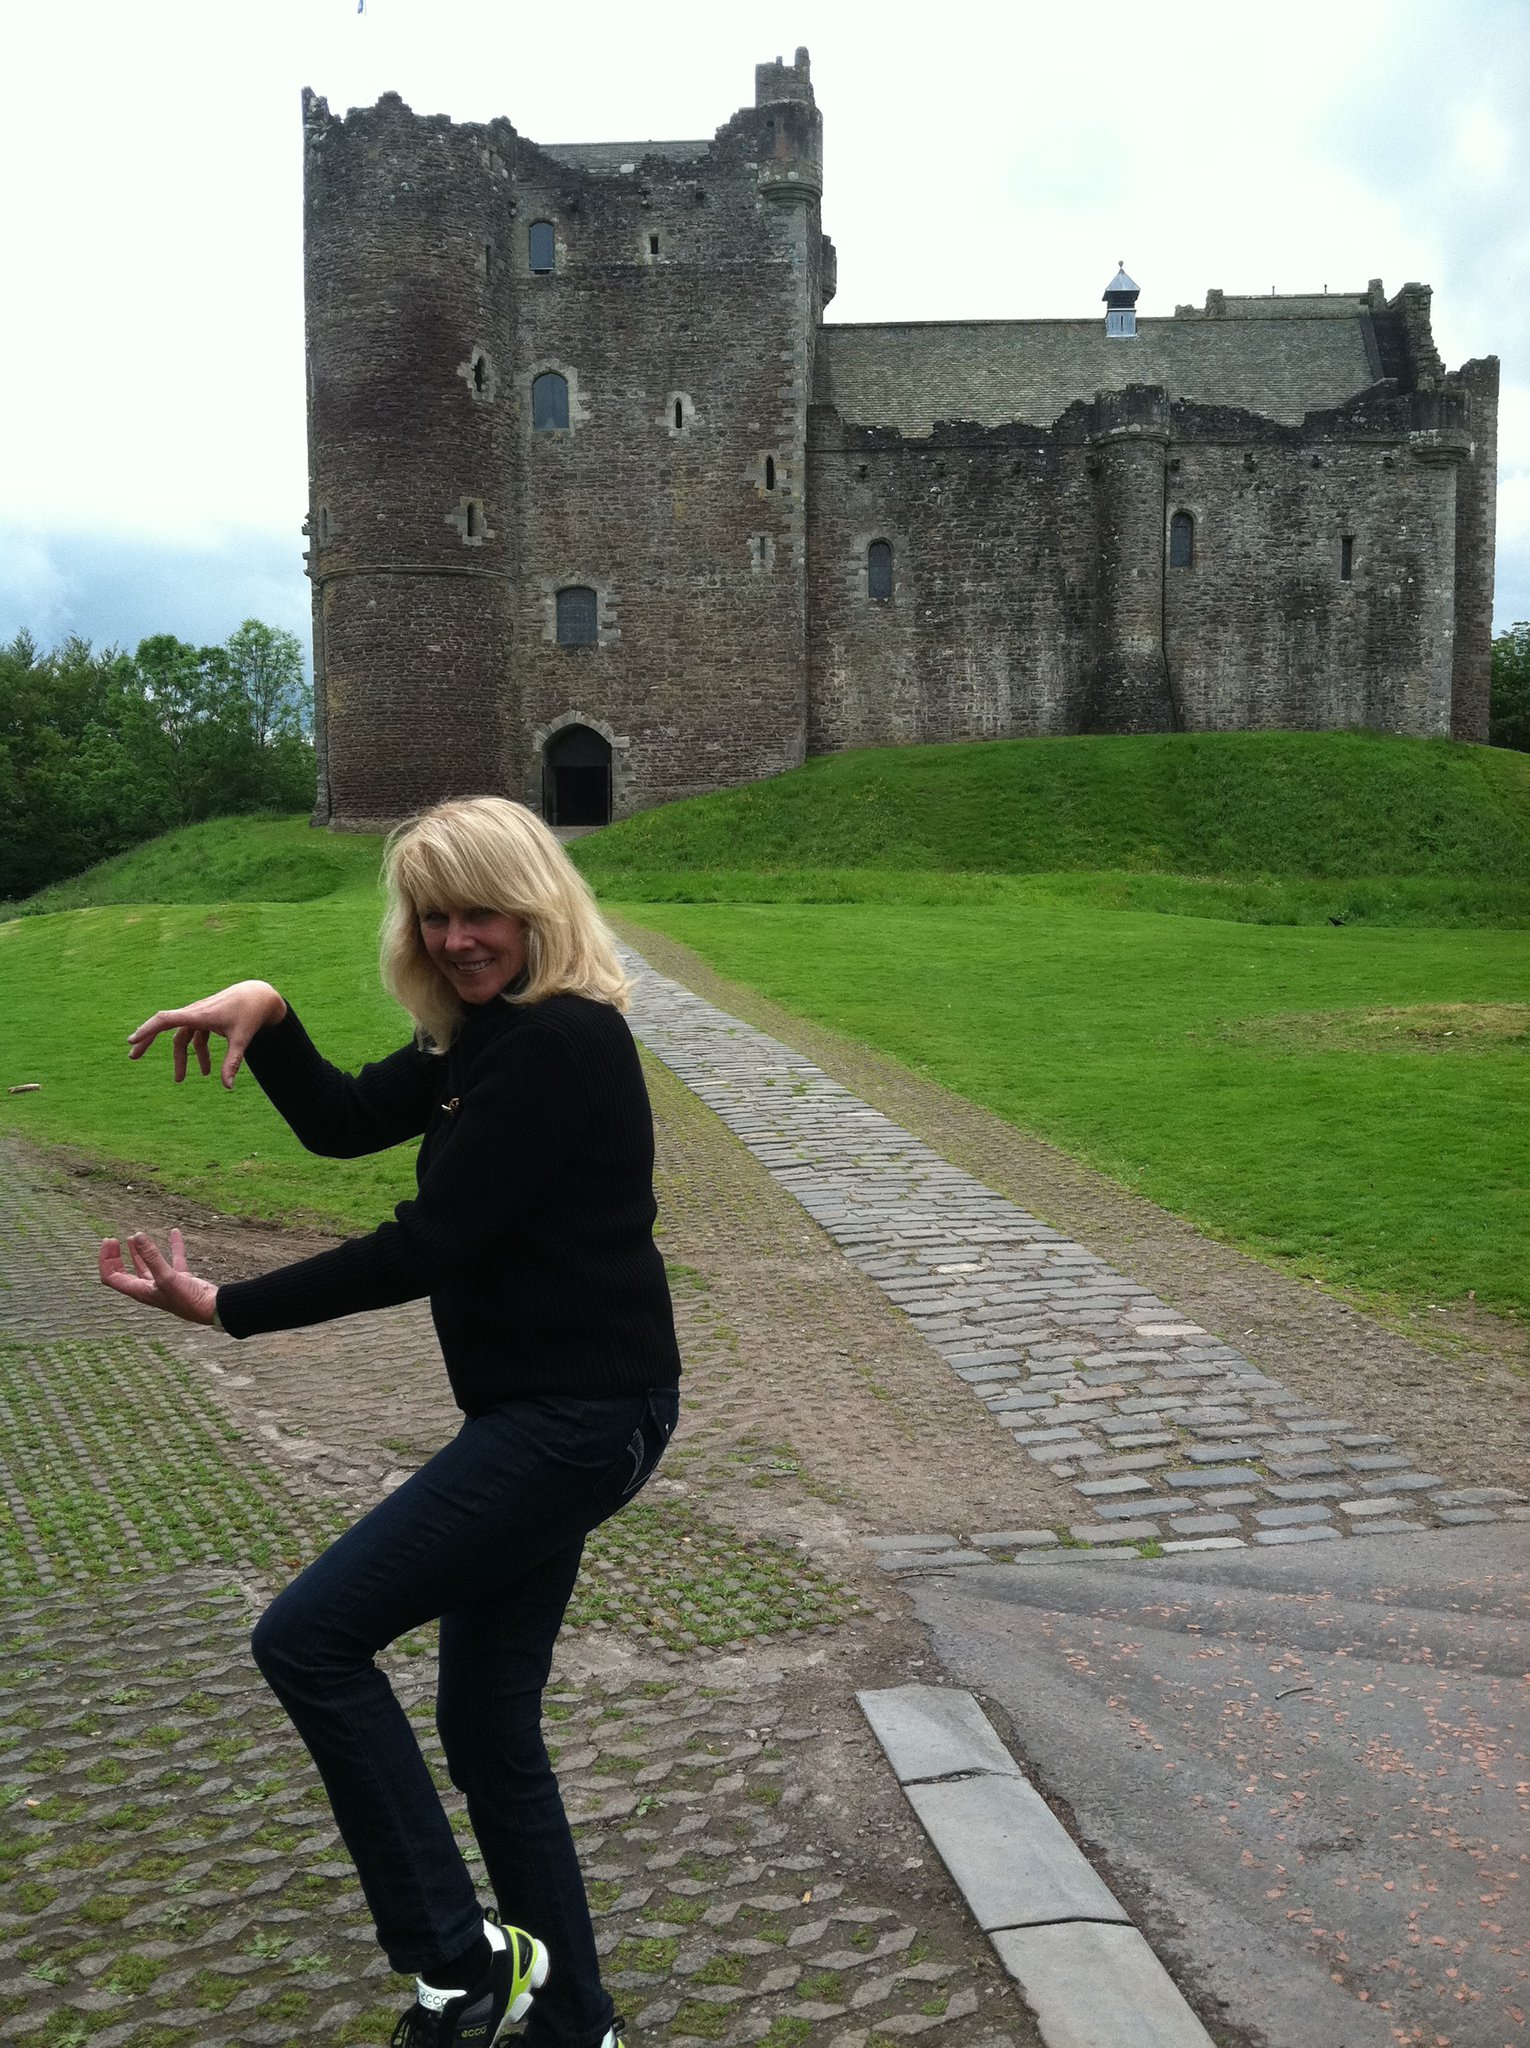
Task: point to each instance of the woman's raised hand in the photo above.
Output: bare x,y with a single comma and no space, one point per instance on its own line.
157,1282
235,1013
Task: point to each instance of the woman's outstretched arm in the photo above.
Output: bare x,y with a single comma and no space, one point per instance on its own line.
336,1114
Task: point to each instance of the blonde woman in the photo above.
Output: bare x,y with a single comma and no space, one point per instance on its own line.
532,1235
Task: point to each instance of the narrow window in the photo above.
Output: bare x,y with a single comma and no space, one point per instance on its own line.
480,373
539,243
1181,541
323,524
679,413
1346,557
879,571
653,245
770,472
549,402
474,526
576,617
488,259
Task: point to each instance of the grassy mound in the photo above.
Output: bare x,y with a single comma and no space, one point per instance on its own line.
224,860
1444,828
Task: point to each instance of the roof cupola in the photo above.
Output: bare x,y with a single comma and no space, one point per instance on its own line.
1121,306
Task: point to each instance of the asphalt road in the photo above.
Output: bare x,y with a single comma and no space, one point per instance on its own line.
1303,1770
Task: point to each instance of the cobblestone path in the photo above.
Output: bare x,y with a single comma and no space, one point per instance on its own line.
1170,1439
169,1872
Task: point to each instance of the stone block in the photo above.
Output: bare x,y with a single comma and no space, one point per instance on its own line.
1211,1475
1314,1533
1092,1986
926,1560
1012,1859
934,1731
1291,1518
1114,1532
1015,1539
1101,1489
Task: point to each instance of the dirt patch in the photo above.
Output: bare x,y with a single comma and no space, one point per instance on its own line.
1418,1028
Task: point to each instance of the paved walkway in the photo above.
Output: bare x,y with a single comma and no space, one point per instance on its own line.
168,1872
1170,1438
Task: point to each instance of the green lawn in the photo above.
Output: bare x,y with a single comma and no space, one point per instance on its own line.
1348,1097
1309,807
1381,1161
75,984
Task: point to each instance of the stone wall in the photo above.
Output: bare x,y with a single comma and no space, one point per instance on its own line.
1033,591
983,636
412,624
682,306
692,534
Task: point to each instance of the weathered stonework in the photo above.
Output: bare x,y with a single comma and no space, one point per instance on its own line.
730,460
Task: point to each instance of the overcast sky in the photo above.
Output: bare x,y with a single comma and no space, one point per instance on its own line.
984,161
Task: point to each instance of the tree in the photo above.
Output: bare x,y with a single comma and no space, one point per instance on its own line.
266,667
101,751
1509,707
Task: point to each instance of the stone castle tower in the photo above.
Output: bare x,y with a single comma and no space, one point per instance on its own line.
602,513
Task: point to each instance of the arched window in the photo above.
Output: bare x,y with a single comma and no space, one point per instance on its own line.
549,402
540,247
770,472
1181,541
577,617
879,570
679,412
576,778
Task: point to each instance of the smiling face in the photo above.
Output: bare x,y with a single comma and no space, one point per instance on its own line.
478,952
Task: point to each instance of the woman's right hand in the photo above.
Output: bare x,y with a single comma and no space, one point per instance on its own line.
235,1013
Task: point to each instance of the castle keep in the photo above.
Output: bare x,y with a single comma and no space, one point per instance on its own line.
603,513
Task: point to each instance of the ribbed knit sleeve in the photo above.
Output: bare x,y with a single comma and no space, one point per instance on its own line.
337,1114
487,1172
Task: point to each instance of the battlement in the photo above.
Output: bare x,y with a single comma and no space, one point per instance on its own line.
776,82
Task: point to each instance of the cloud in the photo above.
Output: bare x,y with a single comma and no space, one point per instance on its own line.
115,591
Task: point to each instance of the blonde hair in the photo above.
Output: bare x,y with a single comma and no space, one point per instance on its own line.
486,853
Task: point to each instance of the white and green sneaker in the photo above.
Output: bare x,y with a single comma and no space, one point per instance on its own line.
478,2016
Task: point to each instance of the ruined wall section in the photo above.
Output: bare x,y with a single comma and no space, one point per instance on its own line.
1128,683
1277,623
1034,591
993,565
410,526
691,531
1476,535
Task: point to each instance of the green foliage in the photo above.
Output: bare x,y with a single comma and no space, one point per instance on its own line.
101,751
1509,709
1304,806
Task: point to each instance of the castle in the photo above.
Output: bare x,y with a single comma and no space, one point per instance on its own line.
603,513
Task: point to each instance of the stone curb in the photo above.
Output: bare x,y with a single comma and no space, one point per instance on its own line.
1086,1972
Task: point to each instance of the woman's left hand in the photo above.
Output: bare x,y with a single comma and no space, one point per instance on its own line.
156,1281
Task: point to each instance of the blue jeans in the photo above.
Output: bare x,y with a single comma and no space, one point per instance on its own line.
488,1537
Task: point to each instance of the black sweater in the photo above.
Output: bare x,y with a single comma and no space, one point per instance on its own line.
532,1232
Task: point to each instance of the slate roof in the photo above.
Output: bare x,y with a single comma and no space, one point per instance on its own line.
610,156
1284,363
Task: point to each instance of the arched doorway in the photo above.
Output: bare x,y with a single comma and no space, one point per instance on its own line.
576,778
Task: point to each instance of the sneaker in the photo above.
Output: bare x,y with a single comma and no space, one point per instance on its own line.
477,2017
613,2037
